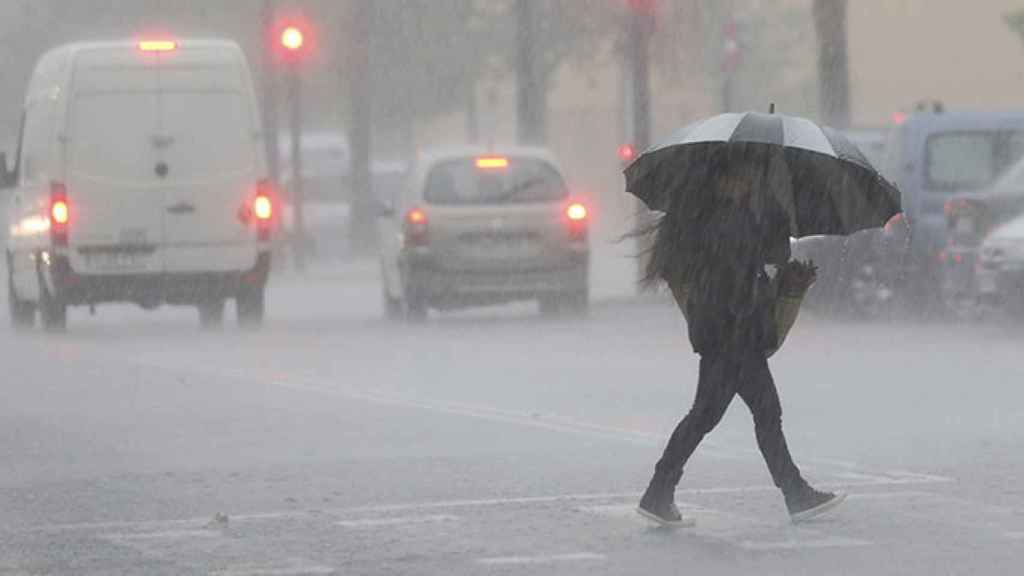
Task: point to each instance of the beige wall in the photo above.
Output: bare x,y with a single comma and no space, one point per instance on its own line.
959,51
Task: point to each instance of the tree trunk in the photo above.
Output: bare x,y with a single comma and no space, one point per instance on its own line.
833,62
269,82
362,220
530,91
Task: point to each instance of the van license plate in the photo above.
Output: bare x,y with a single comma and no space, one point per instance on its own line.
115,261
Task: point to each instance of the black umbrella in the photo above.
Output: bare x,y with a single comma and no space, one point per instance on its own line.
820,178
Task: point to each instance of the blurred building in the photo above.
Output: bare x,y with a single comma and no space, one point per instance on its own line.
962,53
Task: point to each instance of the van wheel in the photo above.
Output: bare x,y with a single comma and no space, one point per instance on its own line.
53,312
211,314
250,306
576,304
22,314
392,306
416,310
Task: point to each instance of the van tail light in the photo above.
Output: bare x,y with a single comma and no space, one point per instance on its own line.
263,208
260,209
416,227
577,219
60,214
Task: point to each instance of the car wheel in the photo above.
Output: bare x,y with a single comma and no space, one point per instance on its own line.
250,306
869,294
575,304
53,311
578,303
960,302
416,305
22,314
211,314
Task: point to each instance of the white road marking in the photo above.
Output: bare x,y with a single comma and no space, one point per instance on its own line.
200,522
797,544
737,530
551,422
1014,535
542,559
611,510
398,521
294,569
163,535
892,495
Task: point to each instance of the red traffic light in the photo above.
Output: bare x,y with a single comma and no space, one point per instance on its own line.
292,38
627,153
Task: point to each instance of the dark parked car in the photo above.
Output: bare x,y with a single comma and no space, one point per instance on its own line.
934,156
848,282
985,247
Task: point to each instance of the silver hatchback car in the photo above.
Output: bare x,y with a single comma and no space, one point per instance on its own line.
475,227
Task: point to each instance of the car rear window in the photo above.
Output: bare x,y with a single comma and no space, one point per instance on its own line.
970,160
519,180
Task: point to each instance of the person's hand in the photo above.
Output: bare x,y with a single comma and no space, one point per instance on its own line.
797,277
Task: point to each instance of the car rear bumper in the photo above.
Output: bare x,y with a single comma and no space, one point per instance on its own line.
452,288
153,289
1000,284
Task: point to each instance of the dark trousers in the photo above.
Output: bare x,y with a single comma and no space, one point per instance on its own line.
723,375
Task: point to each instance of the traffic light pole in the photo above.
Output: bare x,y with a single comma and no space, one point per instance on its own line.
299,241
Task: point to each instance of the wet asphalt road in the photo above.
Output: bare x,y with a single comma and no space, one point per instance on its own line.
334,442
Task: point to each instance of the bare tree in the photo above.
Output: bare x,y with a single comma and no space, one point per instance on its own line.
833,62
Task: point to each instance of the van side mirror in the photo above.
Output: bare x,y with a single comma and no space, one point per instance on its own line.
8,177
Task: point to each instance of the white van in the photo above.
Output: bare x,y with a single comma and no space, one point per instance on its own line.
140,176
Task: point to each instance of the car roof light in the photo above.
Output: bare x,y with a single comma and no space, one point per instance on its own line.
491,162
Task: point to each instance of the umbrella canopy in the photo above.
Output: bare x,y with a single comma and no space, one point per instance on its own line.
820,178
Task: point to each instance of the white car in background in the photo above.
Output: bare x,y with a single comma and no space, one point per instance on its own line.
999,274
477,227
327,191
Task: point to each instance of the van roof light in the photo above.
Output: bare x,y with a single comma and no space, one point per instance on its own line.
157,45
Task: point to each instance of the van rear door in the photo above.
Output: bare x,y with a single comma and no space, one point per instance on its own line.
208,147
115,198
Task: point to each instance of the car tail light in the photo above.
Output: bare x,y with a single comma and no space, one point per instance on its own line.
576,218
416,227
60,214
262,208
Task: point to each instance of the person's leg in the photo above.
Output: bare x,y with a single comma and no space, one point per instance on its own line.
715,389
757,389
